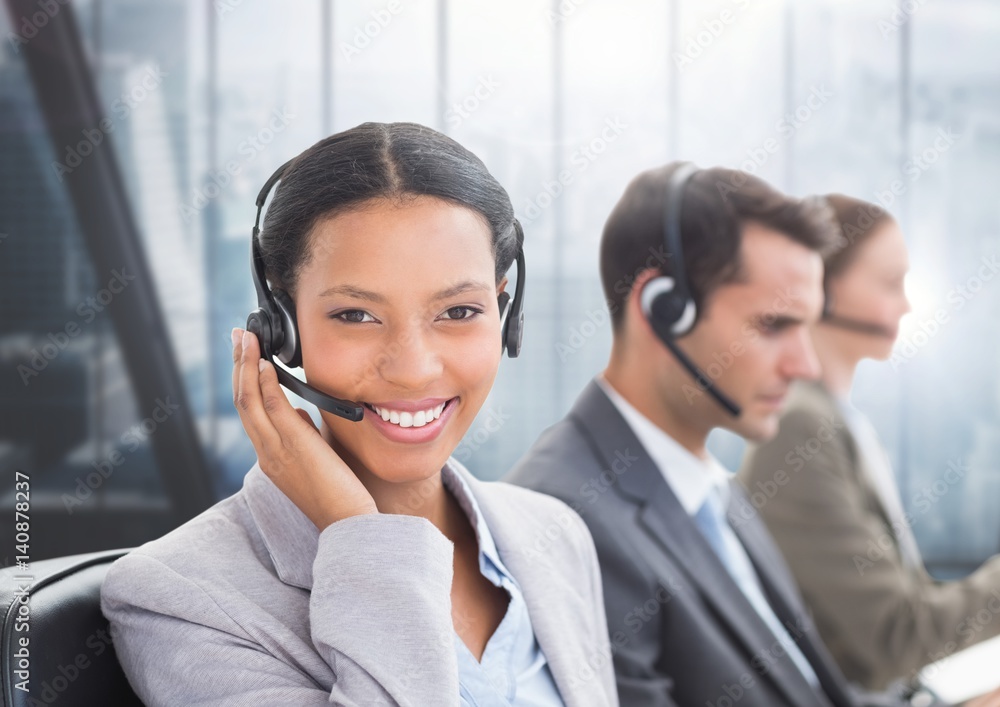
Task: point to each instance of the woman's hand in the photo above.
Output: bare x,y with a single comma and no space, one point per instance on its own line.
290,450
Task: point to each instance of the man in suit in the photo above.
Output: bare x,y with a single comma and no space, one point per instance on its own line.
711,278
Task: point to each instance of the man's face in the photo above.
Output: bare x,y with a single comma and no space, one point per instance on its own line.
752,338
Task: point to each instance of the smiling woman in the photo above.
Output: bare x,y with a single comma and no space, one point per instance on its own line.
360,563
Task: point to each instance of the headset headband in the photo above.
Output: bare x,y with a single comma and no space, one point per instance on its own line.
672,228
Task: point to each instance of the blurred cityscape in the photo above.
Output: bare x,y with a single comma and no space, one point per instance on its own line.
205,100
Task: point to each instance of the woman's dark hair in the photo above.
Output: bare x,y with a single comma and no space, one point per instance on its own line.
857,221
716,204
372,161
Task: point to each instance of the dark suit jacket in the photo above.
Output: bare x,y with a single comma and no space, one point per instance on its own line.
681,630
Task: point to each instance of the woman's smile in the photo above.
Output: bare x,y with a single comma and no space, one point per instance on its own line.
411,422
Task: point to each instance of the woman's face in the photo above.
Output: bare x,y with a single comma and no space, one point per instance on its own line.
397,310
872,290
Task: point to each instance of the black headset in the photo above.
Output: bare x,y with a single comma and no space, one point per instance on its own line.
274,323
859,326
666,300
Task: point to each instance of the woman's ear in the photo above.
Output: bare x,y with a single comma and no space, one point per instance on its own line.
502,285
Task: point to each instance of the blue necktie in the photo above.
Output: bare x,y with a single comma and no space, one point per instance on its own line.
711,520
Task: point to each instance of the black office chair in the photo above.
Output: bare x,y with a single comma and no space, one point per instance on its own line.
72,660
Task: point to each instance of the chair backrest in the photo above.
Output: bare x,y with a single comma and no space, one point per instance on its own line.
69,655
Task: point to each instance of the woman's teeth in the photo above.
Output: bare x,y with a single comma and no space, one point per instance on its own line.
410,419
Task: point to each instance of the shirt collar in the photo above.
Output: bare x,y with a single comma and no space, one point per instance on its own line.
459,488
689,477
292,540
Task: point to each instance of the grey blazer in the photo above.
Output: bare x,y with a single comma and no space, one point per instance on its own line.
881,619
247,604
682,632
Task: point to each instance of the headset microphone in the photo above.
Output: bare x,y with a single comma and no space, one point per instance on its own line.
274,323
856,325
667,301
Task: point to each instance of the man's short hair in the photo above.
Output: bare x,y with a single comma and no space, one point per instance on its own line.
716,204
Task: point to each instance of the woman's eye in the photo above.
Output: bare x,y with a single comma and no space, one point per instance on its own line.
353,316
462,312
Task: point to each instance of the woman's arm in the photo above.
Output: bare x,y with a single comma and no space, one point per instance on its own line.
881,620
379,617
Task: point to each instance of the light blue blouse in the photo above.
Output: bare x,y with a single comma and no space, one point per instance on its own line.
513,671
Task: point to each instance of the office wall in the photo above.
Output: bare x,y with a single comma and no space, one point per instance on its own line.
896,102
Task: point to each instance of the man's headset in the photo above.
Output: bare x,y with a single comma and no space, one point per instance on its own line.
666,301
274,323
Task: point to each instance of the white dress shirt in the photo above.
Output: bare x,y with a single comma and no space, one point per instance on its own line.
702,487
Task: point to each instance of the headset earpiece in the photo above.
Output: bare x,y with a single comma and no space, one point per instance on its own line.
514,335
666,301
512,309
259,324
503,304
288,351
667,298
661,300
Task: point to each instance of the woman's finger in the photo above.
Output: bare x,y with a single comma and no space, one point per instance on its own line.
237,358
248,400
277,416
279,410
305,416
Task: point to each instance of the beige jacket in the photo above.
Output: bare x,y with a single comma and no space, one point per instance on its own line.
880,619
